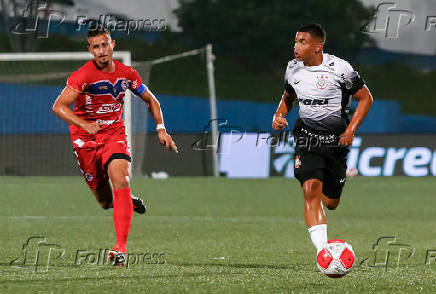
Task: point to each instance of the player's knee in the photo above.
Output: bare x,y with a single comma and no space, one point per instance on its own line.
331,204
121,182
311,189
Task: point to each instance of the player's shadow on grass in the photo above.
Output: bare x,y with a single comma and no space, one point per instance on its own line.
236,265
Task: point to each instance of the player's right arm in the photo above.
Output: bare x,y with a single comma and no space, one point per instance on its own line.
285,106
61,108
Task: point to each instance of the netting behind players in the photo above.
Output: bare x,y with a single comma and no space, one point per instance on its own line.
32,140
141,123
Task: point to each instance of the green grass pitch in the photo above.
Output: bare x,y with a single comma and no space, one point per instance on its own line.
216,235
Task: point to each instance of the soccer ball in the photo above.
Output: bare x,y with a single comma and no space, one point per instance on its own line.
336,259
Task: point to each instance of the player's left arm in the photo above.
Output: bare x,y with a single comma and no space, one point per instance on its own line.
153,106
365,101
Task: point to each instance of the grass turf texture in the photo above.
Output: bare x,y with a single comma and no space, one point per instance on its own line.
218,235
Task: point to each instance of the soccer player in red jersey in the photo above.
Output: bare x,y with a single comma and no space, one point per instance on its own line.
97,130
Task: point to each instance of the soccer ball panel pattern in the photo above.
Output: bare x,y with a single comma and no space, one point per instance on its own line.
336,259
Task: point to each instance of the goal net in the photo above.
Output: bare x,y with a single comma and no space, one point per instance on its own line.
33,141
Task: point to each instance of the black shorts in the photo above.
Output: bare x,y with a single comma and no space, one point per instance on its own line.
325,163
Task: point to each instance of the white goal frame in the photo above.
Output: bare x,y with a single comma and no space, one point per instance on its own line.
126,58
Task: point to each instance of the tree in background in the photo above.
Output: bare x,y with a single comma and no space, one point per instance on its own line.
261,32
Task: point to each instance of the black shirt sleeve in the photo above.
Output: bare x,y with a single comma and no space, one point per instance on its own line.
289,88
352,82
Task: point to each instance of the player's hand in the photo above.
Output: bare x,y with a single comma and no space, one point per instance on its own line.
346,139
279,122
91,127
166,140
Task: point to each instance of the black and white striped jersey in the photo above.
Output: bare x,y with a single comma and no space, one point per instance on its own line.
323,91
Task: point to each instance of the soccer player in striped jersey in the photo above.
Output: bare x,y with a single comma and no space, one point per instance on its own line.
322,85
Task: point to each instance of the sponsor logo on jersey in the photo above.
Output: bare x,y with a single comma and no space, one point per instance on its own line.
314,101
79,143
107,108
88,103
105,121
105,87
321,82
347,82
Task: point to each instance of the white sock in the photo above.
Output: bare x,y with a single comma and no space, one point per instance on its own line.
318,234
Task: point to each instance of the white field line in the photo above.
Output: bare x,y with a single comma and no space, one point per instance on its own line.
154,218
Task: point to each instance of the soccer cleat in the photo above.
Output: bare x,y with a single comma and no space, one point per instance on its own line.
138,205
117,258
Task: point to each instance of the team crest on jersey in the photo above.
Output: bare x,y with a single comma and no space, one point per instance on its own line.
89,177
321,82
297,163
124,85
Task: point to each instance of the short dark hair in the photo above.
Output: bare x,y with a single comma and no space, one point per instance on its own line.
315,30
98,30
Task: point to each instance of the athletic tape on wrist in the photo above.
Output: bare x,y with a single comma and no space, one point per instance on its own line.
160,127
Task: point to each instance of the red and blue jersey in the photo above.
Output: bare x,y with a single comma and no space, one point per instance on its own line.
101,93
